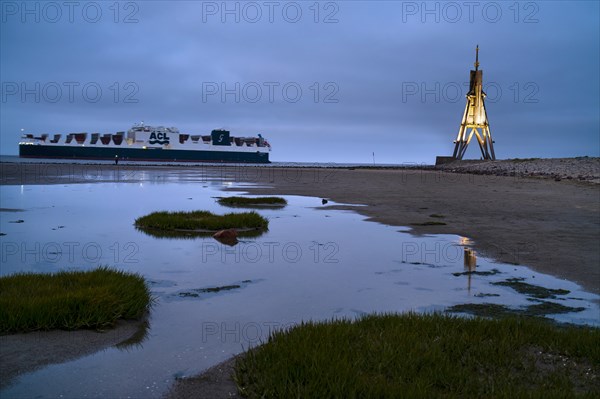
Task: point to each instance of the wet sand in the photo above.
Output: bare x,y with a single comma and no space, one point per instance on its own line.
24,353
215,383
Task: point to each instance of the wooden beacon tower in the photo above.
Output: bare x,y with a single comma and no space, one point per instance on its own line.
475,120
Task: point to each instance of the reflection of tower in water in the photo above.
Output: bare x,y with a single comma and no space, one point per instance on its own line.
470,263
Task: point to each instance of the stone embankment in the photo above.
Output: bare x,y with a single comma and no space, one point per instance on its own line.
583,169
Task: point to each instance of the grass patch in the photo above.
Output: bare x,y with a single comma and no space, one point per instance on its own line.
437,215
429,223
410,355
71,300
535,291
201,222
253,202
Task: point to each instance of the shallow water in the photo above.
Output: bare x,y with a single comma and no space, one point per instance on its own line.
313,264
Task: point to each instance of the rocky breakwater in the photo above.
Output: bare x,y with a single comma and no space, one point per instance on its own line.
583,169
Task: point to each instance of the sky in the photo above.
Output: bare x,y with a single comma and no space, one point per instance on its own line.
343,82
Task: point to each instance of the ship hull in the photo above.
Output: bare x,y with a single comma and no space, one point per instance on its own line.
139,154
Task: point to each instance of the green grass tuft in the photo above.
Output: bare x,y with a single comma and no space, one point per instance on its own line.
201,221
71,300
252,202
410,355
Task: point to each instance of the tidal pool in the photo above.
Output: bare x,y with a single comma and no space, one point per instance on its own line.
216,300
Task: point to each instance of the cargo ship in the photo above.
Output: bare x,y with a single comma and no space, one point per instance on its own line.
148,143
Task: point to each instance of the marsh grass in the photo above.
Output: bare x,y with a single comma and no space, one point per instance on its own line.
201,221
410,355
71,299
253,202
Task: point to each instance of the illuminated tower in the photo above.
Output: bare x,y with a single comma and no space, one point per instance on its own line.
475,120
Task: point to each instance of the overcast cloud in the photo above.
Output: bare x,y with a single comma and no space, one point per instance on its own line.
383,77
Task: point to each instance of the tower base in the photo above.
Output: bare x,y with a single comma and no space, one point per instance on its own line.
441,160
